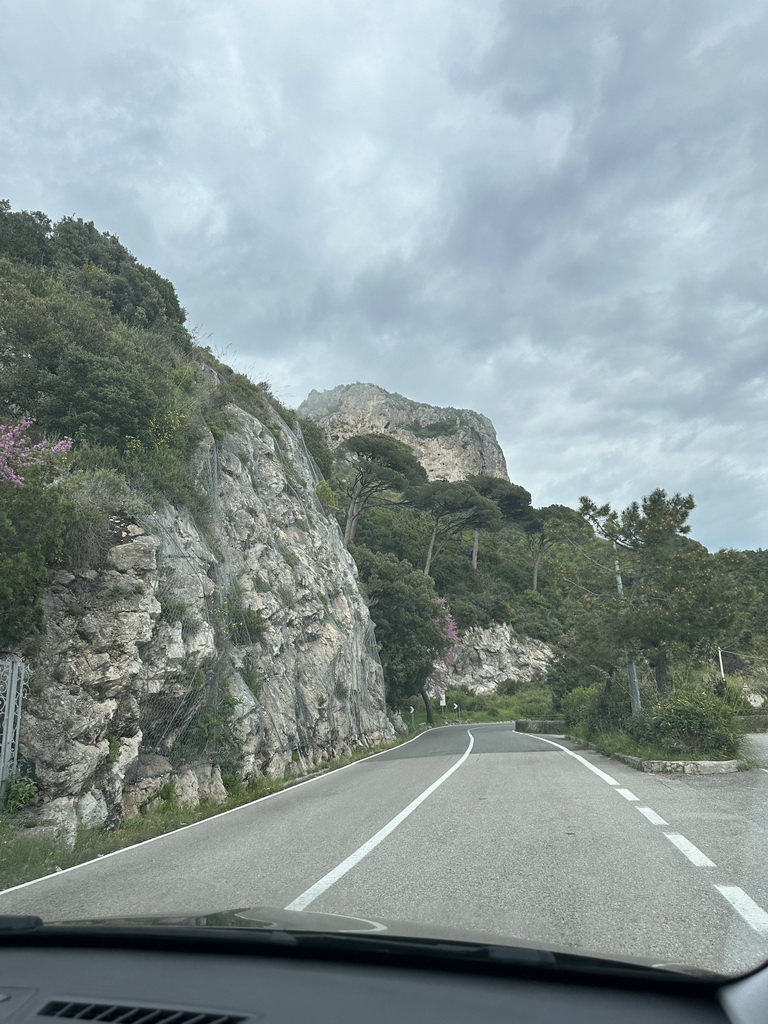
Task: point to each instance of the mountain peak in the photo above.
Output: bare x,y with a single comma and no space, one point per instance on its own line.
450,443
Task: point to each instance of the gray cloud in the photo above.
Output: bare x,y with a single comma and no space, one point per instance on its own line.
554,213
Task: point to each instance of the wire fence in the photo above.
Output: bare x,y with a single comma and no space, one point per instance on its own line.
191,712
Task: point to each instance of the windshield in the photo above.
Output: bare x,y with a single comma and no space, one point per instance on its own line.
382,469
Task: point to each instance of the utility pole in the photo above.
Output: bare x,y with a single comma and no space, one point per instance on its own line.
634,689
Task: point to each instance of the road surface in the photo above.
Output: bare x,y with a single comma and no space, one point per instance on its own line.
473,827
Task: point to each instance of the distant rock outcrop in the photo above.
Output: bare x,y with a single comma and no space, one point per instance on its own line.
451,444
486,657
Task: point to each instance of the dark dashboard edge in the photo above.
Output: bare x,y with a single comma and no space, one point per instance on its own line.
225,942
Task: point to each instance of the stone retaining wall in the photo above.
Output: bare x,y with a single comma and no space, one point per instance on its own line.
553,726
678,767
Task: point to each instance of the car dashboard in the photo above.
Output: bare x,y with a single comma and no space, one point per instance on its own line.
177,978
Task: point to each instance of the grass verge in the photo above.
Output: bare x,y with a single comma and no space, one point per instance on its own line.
620,742
23,858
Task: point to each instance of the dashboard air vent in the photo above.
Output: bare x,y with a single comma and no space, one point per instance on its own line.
133,1014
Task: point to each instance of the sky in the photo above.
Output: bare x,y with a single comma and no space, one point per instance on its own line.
554,213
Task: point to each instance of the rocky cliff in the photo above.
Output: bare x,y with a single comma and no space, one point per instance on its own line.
486,657
451,444
236,645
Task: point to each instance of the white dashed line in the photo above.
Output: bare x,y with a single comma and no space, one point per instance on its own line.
652,816
745,906
627,794
693,853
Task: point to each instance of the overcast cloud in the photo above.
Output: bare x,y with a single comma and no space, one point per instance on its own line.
554,213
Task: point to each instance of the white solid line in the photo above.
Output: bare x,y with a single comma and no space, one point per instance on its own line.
754,915
693,853
627,794
311,894
652,816
202,821
764,769
592,767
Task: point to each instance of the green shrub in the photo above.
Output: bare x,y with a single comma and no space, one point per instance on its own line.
733,695
247,626
240,390
326,496
218,422
575,705
317,446
509,687
33,519
209,732
609,707
167,791
114,750
440,428
171,609
19,793
98,397
691,722
251,677
162,473
291,558
533,703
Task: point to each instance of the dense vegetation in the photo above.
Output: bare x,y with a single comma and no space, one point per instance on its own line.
94,347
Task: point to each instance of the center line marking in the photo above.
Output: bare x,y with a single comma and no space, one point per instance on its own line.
754,915
311,894
652,816
627,794
693,853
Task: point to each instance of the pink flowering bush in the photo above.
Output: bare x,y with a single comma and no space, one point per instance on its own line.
438,678
18,453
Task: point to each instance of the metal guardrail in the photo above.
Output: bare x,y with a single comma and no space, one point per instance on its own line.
13,688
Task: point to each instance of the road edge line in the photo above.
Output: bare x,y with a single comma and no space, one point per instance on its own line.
212,817
592,767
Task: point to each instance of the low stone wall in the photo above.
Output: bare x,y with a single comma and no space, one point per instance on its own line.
678,767
554,726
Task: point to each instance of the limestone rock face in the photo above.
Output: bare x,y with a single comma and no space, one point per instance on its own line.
486,657
451,444
231,645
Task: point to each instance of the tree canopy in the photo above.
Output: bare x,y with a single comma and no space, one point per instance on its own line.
674,600
376,464
409,621
453,508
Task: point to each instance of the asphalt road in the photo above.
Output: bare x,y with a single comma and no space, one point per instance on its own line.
475,828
